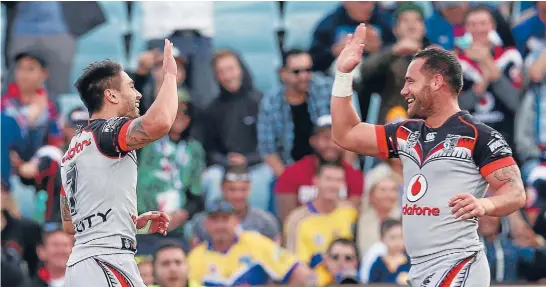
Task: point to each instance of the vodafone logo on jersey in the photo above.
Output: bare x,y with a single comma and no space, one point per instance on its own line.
417,187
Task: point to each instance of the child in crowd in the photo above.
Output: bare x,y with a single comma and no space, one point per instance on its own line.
395,265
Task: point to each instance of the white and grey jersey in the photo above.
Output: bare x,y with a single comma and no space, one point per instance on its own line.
99,181
439,163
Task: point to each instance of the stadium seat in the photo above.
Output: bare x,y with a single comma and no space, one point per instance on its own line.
263,68
246,26
300,21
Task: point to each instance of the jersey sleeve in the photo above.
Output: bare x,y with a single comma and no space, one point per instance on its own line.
278,261
386,140
111,136
492,152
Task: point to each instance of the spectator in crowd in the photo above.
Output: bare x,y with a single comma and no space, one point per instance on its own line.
447,25
381,204
12,141
530,34
12,273
53,253
148,77
27,102
330,34
189,26
43,168
310,229
235,190
287,114
503,255
393,267
20,237
171,267
169,177
492,74
384,72
295,186
529,130
146,269
52,28
232,137
340,263
234,257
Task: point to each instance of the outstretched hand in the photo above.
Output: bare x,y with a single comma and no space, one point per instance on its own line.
169,63
351,55
160,221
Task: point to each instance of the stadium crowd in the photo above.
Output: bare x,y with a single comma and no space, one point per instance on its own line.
255,187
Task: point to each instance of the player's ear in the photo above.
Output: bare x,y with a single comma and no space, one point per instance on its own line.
436,82
111,96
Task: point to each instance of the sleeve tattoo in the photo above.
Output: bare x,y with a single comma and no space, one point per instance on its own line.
137,136
509,174
65,210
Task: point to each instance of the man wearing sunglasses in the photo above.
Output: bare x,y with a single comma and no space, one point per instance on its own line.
287,114
340,264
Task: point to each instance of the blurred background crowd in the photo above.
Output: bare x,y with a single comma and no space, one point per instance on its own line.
249,165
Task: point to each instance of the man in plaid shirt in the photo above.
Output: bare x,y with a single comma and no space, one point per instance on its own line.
287,114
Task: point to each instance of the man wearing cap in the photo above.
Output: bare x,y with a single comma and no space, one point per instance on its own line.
28,103
235,257
43,168
235,191
53,253
295,186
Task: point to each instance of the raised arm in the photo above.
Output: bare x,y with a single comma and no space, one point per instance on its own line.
161,115
347,129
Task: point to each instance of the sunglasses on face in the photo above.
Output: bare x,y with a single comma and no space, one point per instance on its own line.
346,258
298,71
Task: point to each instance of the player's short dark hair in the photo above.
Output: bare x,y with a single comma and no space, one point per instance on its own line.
479,8
290,53
95,79
327,163
388,224
443,62
166,244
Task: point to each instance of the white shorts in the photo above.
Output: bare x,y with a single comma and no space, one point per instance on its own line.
104,270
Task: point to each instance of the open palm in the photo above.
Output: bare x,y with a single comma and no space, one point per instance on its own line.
351,54
169,63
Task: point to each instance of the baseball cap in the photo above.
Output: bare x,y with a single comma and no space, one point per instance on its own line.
33,55
441,5
409,7
323,122
77,117
218,206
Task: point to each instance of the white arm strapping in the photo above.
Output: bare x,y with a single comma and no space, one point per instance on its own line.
145,229
343,85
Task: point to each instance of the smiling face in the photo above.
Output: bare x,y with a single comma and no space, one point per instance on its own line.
417,91
129,97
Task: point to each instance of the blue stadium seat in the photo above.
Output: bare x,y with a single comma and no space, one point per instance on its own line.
300,21
246,26
263,68
67,102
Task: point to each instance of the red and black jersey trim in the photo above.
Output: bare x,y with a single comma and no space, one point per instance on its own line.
458,273
114,276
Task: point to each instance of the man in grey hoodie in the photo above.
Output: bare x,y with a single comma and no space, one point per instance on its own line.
231,131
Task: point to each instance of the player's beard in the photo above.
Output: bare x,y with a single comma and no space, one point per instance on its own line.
423,105
131,110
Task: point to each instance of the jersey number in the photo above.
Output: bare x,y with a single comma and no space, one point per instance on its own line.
71,179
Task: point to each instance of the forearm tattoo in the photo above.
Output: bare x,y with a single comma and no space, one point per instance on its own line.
65,210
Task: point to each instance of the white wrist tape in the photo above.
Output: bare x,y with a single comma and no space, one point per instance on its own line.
145,229
343,85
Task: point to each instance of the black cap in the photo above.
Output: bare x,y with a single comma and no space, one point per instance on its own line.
33,55
77,117
218,206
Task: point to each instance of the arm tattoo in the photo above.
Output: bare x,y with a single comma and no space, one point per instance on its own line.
508,174
65,210
137,137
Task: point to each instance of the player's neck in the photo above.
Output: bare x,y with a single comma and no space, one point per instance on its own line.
324,205
442,114
104,114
